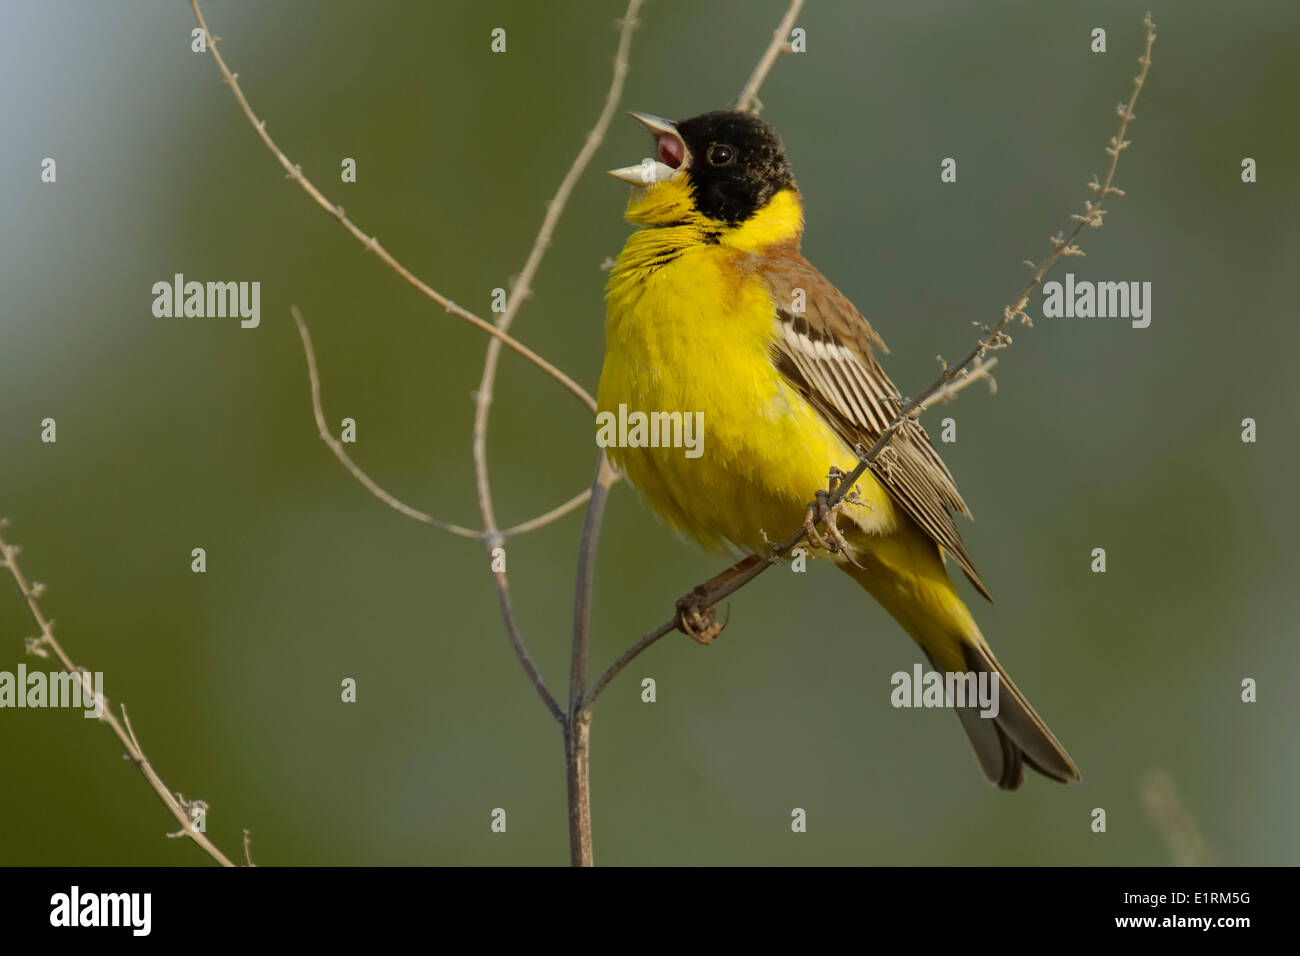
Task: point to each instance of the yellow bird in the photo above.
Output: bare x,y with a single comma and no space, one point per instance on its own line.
712,309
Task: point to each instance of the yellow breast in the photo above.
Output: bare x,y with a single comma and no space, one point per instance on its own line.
688,330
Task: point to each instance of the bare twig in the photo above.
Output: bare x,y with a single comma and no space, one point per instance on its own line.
46,644
627,657
600,486
577,722
522,287
994,337
519,292
980,371
578,729
542,520
577,765
502,584
780,43
336,446
370,242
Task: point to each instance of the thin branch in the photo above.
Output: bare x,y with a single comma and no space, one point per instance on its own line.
336,446
600,486
520,291
577,735
559,511
46,644
370,242
577,765
704,597
517,643
780,43
626,658
976,373
522,287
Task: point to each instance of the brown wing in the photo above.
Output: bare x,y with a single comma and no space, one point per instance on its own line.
825,353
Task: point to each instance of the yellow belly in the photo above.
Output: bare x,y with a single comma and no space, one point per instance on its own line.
692,336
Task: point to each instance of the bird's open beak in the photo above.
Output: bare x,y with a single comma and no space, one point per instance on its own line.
671,155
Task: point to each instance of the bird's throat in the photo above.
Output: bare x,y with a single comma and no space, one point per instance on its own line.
672,225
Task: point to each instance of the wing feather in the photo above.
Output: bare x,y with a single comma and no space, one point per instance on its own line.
826,354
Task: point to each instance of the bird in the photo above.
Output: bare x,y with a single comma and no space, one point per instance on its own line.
712,310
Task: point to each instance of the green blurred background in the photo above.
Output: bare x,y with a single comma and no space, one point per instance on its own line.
183,433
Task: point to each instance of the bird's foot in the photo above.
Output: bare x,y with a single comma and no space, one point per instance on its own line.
696,619
821,510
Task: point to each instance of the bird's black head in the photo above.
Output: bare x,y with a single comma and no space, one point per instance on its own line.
732,161
736,163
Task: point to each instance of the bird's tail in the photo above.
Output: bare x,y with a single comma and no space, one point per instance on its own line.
1016,736
932,613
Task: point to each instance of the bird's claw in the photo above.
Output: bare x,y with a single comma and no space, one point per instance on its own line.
817,511
821,511
697,620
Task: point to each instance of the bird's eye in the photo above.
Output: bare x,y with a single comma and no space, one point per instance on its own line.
720,154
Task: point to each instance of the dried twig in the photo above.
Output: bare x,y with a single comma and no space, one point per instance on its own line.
978,372
534,675
523,285
370,242
45,645
336,446
706,595
780,43
578,729
519,292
